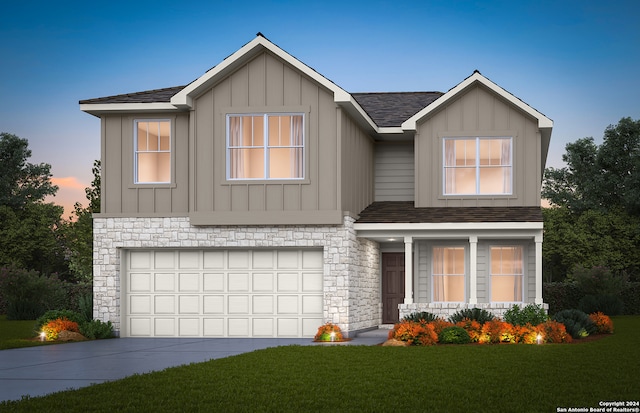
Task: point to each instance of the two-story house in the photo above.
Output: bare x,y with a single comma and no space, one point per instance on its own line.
262,200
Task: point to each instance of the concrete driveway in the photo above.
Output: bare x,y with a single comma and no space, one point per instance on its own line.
37,371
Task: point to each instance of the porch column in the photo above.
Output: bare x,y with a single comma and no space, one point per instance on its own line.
473,270
408,270
538,239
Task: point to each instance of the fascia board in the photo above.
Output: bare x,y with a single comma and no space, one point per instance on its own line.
127,107
466,226
543,121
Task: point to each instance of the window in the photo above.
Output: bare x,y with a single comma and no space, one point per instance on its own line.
152,151
506,274
265,146
448,274
477,166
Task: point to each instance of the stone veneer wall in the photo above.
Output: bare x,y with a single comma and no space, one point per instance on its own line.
351,265
445,310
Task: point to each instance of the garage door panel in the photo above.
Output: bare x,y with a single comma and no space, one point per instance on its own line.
165,327
213,304
213,282
164,282
188,282
164,304
139,282
189,304
223,293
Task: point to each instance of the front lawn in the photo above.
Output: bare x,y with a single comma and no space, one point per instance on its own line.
18,333
441,378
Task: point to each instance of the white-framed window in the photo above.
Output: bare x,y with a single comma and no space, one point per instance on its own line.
265,146
152,151
477,166
448,274
507,273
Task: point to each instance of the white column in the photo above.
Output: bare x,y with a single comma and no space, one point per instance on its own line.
473,270
408,270
538,299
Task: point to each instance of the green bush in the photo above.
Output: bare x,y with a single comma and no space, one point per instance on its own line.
85,306
27,294
54,315
96,329
577,323
530,314
454,335
608,304
561,296
75,294
474,314
597,280
631,298
420,316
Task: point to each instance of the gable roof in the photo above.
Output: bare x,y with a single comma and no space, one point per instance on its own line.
391,109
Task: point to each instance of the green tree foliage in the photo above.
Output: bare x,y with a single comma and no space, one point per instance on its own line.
605,177
79,233
21,182
589,239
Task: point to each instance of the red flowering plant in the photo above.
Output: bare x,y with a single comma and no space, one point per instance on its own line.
553,332
439,324
54,327
473,328
526,334
496,331
602,322
414,333
329,332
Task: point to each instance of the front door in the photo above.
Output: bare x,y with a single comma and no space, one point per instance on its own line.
392,286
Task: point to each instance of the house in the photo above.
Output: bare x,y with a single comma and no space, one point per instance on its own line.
262,200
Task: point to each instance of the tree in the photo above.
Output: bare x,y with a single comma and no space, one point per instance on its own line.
21,182
605,177
79,233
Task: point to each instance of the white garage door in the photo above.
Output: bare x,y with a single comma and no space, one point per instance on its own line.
222,293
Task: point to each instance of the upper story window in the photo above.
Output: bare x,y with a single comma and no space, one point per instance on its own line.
448,274
265,146
507,273
478,166
152,158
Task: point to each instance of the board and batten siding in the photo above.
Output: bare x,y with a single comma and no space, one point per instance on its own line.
120,195
394,172
357,167
478,113
265,84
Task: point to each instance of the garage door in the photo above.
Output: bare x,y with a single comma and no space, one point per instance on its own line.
222,293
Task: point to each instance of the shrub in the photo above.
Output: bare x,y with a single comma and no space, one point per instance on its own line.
597,280
553,332
54,327
561,296
439,324
414,333
27,294
531,314
478,314
421,316
577,323
96,329
496,331
85,306
454,335
57,314
325,331
603,323
472,327
526,334
608,304
631,298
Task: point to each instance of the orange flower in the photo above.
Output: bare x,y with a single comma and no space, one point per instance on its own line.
553,332
414,333
325,330
473,328
439,325
603,322
54,327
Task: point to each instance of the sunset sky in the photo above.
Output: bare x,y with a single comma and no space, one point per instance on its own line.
575,61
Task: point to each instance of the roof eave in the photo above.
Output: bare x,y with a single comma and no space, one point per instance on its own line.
97,109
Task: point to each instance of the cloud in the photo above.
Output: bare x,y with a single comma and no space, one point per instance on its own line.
70,191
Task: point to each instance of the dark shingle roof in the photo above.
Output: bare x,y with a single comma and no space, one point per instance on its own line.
395,212
148,96
392,108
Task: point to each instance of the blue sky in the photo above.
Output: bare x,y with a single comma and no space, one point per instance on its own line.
575,61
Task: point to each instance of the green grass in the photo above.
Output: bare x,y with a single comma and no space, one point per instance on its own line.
17,333
478,378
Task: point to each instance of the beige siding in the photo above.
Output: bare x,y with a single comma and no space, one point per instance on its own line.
357,171
120,195
478,112
265,84
394,172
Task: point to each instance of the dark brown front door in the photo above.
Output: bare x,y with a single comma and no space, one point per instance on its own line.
392,285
